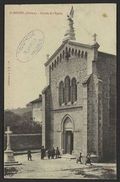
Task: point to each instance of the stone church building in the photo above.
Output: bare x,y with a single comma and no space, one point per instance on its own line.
79,102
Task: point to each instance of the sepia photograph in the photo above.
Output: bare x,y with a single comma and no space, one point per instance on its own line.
60,91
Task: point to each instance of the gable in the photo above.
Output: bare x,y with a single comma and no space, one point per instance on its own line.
72,47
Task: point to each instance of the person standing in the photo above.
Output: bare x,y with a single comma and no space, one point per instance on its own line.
57,153
88,159
53,153
49,153
29,155
80,158
42,152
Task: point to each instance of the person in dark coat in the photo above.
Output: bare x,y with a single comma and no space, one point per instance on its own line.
57,153
88,159
42,152
53,153
49,153
29,155
80,158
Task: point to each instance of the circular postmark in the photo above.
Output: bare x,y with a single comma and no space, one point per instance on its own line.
30,45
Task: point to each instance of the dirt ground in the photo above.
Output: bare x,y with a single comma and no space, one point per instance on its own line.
62,168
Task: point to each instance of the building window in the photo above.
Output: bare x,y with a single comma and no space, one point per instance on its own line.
82,54
61,93
60,57
69,50
63,54
76,52
67,89
74,90
55,64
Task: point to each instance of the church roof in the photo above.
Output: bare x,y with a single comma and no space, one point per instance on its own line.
82,44
70,42
37,100
105,53
43,91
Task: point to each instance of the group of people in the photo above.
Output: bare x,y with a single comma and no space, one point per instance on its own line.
55,153
87,161
50,153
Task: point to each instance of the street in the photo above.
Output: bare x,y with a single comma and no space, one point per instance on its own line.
62,168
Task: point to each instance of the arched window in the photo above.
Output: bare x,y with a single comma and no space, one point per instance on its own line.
69,50
61,92
76,52
57,60
73,90
60,57
67,89
63,54
82,54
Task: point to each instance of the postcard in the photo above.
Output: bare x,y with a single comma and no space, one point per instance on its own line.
60,91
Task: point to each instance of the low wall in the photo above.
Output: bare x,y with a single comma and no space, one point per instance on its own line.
21,142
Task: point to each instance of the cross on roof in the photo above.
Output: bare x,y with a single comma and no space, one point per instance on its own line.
94,37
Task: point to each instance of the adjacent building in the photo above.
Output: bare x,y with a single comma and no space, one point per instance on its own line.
36,107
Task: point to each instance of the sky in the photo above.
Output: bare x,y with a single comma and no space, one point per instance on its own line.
24,80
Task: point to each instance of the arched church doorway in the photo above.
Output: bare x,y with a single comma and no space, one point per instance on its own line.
68,136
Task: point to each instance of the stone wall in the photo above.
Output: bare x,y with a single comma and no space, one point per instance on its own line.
95,117
76,66
92,114
78,131
106,66
20,142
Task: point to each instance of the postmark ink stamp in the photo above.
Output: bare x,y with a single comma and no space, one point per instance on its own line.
30,45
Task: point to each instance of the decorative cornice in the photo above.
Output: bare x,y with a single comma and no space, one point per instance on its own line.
76,131
55,53
72,43
68,108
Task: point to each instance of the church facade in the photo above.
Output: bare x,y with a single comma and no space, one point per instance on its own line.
79,103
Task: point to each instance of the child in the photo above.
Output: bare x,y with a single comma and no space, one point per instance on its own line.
80,158
29,155
88,160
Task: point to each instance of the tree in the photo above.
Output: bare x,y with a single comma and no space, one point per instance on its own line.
21,124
